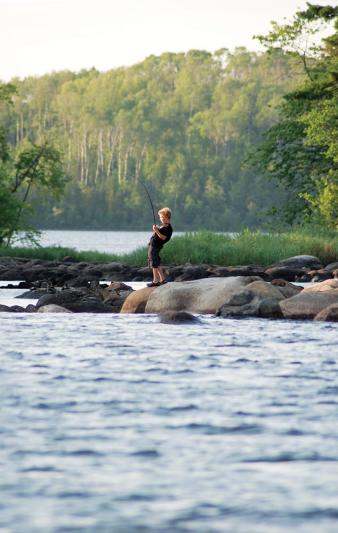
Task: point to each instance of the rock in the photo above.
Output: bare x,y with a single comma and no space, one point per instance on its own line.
258,299
192,273
137,300
331,267
178,317
81,281
11,275
330,313
119,286
34,273
52,308
287,289
30,308
326,285
203,296
320,275
36,293
307,304
79,301
6,309
284,272
300,262
265,290
18,309
245,270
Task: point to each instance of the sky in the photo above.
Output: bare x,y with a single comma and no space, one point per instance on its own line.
41,36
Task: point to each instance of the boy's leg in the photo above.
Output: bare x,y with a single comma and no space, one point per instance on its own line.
161,274
156,275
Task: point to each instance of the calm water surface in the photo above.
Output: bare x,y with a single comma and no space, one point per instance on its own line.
117,423
115,242
121,424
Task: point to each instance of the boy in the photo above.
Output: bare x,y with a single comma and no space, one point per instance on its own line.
161,236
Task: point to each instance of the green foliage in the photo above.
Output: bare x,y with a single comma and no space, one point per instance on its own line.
180,122
245,248
301,150
27,166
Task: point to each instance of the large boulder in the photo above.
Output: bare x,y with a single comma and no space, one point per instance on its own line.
326,285
307,304
300,262
203,296
137,300
258,299
330,313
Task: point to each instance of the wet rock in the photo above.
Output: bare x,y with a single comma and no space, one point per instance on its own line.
137,301
30,308
307,304
6,309
18,309
178,317
53,308
204,296
329,314
78,301
36,293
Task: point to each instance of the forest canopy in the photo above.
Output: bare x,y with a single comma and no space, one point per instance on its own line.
220,137
181,123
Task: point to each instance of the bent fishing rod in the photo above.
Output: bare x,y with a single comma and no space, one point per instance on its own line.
150,200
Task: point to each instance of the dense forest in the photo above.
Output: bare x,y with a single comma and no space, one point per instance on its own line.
220,138
181,123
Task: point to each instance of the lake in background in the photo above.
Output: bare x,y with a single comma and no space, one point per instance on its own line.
114,242
120,424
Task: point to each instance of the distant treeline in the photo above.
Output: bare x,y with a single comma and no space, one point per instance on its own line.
182,123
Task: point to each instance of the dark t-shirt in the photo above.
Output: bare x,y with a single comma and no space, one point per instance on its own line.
166,230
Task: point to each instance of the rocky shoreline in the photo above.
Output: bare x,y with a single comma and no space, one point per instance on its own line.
72,273
234,291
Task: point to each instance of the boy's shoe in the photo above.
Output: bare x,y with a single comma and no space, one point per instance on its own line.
163,282
154,284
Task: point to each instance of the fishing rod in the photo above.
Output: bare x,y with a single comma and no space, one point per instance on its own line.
150,200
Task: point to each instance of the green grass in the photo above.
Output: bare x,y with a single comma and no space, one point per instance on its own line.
207,247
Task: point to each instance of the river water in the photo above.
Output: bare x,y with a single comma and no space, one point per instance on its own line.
122,424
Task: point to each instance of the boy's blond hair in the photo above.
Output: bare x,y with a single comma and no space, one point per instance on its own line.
166,211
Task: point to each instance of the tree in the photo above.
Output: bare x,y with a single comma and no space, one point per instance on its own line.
301,150
28,167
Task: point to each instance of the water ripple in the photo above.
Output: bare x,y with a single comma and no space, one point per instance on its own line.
110,423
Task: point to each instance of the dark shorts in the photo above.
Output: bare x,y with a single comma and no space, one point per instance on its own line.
154,259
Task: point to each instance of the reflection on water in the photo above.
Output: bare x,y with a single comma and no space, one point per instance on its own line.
119,423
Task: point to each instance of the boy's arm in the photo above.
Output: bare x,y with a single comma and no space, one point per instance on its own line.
158,233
